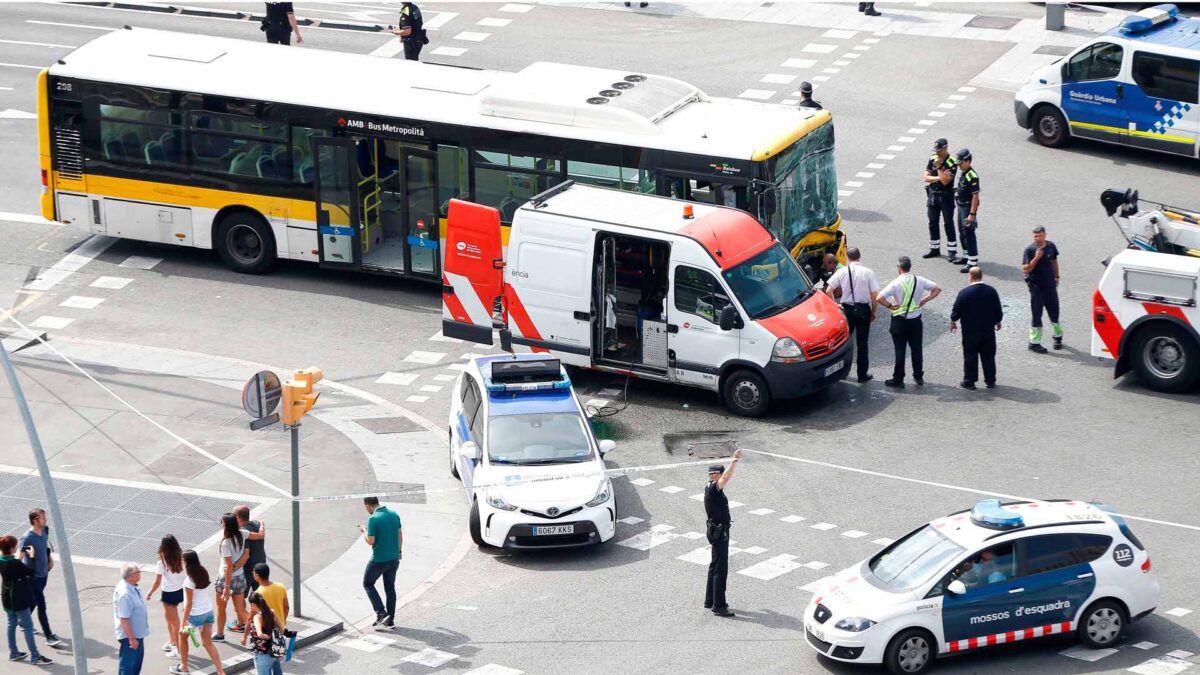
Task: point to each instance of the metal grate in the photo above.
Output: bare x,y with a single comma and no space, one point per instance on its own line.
68,153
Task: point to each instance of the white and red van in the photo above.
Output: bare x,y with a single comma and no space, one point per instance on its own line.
662,289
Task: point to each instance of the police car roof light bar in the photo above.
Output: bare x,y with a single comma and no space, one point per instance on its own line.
544,373
990,514
1149,18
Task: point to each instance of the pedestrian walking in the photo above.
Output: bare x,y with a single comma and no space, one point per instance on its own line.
868,8
42,562
170,577
939,202
385,534
1040,265
266,636
978,307
256,541
806,99
966,200
16,596
411,30
857,289
274,593
905,297
231,581
716,509
280,23
131,622
198,609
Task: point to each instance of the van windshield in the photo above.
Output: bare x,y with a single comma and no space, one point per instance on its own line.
768,283
914,559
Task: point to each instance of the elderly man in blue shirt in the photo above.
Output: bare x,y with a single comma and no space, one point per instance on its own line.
130,620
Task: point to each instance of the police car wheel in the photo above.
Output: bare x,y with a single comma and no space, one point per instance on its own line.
1102,625
245,243
474,527
1165,358
453,465
746,394
1049,127
911,651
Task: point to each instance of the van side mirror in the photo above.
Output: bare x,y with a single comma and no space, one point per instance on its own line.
469,450
956,587
607,446
728,318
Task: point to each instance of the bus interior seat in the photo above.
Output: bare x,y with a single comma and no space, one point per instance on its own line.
113,149
508,208
241,165
171,146
265,165
305,172
154,154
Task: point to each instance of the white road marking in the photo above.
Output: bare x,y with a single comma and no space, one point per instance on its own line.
21,65
449,51
757,94
1164,666
457,366
138,262
692,535
36,44
641,482
427,358
864,174
883,541
492,668
862,48
472,355
854,534
1087,653
798,63
905,139
771,567
630,520
917,130
841,63
885,157
936,113
439,19
429,657
815,48
851,55
698,497
644,541
966,90
927,123
832,71
14,114
467,608
492,22
444,378
897,148
516,8
416,399
389,49
823,526
871,41
854,183
789,101
820,78
398,379
70,264
22,217
438,337
51,322
837,34
762,512
111,283
777,78
814,586
1145,645
845,193
366,643
1180,654
700,556
609,393
815,565
6,88
948,106
81,302
671,489
1178,611
875,165
430,388
734,505
792,519
957,97
471,36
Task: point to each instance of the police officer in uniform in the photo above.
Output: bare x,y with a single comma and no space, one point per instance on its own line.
939,183
280,23
411,30
966,199
806,99
716,507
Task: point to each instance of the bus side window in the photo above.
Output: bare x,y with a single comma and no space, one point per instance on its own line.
303,170
136,136
453,181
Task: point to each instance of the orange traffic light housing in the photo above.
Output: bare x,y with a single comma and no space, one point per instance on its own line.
298,395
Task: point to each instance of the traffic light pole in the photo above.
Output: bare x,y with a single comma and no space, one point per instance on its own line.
295,428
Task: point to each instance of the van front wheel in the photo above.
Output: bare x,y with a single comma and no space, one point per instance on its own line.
746,394
1049,127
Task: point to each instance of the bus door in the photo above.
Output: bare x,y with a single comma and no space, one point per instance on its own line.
422,233
339,223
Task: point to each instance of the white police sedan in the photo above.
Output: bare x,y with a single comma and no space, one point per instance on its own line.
992,575
522,446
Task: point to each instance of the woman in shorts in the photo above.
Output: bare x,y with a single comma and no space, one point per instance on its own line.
170,577
198,608
231,582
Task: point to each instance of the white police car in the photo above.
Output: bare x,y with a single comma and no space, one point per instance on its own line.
992,575
523,448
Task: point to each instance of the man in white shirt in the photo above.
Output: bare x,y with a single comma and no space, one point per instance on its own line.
905,297
857,289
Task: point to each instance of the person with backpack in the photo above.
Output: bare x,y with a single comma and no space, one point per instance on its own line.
266,636
17,594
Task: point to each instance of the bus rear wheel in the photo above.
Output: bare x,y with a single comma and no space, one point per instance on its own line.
245,243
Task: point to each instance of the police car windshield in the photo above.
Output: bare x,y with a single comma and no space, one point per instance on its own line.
914,559
538,438
768,283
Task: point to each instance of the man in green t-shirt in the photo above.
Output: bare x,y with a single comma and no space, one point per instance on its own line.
385,535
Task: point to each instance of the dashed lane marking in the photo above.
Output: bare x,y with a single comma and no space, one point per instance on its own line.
70,263
438,337
798,63
641,482
138,262
832,71
644,541
838,34
493,22
885,157
81,302
1180,654
917,130
854,534
698,497
762,512
820,78
905,139
429,657
444,378
734,505
854,183
947,106
51,322
936,113
1145,645
516,8
896,148
425,358
416,399
1178,611
967,90
757,94
883,541
792,519
366,643
449,51
864,174
927,123
777,78
851,55
815,48
430,388
823,526
472,36
957,97
111,283
1162,666
1087,653
631,520
771,567
492,668
815,565
671,489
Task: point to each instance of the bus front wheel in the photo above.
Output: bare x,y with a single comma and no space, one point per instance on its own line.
245,243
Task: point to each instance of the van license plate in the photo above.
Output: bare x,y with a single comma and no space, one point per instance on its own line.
553,529
835,367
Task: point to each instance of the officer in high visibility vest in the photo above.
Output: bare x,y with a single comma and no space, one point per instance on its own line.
905,297
939,201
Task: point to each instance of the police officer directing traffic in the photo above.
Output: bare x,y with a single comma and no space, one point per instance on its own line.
939,183
966,199
716,507
411,30
806,99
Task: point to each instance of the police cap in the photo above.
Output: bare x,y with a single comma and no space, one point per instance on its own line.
963,155
716,468
806,87
940,143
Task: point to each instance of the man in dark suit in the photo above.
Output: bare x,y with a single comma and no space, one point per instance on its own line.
978,307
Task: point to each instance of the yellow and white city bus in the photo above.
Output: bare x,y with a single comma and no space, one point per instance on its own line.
348,160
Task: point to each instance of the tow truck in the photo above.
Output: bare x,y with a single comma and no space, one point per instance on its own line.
1144,312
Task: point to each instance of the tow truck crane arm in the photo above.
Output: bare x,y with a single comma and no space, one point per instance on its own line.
1165,229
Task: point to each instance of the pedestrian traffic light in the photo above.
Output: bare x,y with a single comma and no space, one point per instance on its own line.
298,395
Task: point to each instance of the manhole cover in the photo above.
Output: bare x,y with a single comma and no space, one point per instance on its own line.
1052,50
382,487
993,22
702,445
93,596
389,425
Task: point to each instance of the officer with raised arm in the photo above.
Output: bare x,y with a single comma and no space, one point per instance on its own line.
716,507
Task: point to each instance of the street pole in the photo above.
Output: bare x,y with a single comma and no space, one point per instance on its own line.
296,517
78,643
